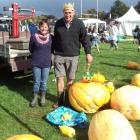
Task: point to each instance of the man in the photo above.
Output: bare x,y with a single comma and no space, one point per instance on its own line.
32,27
69,34
135,34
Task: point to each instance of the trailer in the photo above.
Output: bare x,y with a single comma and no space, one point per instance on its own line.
14,51
13,43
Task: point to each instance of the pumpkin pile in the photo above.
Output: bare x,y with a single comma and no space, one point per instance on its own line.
113,124
126,99
97,77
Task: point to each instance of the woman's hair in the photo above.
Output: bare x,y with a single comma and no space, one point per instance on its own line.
43,21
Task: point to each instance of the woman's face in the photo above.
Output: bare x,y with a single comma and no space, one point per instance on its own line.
44,29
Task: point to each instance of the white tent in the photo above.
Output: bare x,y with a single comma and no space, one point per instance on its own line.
93,21
128,21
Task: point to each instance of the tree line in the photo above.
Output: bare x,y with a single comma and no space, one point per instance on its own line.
118,9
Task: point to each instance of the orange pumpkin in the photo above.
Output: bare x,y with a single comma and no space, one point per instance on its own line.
88,97
126,100
24,137
110,125
132,65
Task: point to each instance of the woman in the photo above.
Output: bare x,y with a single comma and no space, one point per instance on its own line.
40,48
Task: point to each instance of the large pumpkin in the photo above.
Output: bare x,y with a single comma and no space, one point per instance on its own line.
88,97
110,125
127,100
24,137
136,80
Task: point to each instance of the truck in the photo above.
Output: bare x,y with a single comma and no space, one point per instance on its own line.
14,44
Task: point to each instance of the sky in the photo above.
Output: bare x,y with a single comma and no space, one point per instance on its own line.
54,7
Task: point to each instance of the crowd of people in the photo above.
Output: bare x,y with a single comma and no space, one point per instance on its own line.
108,35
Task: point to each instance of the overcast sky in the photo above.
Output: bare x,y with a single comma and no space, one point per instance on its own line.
54,7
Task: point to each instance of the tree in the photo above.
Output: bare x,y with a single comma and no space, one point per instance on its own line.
137,7
91,13
118,9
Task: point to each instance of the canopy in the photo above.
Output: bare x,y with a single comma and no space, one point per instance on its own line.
128,21
91,21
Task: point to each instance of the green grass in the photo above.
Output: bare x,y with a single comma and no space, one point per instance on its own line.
16,117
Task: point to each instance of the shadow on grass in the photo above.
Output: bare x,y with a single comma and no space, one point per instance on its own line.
81,134
113,65
20,82
21,122
17,81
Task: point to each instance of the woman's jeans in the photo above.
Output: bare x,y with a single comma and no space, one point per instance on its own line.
40,76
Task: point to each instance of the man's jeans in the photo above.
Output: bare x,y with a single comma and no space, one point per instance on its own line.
40,76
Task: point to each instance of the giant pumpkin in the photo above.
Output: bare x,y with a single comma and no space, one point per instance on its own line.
126,100
24,137
88,97
110,125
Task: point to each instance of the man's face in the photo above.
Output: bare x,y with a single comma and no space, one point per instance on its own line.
69,14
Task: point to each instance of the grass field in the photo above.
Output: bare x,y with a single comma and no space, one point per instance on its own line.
16,117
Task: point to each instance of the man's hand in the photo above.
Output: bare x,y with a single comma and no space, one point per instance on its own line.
89,58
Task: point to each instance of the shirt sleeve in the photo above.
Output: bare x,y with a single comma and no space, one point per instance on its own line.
84,39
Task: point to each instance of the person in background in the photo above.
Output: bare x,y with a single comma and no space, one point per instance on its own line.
138,38
113,32
40,48
32,27
69,34
89,32
135,34
95,39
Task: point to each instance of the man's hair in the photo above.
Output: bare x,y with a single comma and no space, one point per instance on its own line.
68,6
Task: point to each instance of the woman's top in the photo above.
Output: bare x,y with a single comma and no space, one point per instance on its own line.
40,48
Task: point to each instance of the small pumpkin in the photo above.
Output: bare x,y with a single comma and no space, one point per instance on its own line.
110,86
86,79
132,65
126,100
110,125
88,97
24,137
136,80
98,77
